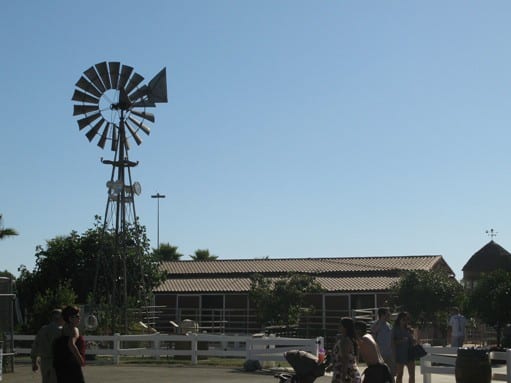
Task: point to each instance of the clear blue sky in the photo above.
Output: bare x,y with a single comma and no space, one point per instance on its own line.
293,128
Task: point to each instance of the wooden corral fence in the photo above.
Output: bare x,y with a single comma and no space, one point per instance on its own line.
192,346
442,360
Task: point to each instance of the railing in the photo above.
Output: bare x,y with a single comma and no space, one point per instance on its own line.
193,346
442,360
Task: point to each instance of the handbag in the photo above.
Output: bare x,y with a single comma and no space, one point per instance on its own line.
418,351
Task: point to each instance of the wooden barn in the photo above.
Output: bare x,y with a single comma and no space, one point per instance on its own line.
215,294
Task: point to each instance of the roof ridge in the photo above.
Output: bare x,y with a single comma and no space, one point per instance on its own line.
306,258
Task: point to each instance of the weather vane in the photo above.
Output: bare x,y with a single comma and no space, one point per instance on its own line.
491,233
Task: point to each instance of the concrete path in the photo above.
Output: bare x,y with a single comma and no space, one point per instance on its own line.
167,374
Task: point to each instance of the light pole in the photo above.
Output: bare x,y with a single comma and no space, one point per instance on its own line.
158,196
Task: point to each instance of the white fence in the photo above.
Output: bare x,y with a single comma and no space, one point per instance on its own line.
193,346
446,357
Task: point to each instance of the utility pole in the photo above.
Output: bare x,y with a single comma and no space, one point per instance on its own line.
158,196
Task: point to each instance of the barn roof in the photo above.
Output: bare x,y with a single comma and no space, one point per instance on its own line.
334,274
490,257
242,285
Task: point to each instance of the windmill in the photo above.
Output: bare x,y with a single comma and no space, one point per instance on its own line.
111,105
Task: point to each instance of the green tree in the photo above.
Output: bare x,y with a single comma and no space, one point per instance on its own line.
166,252
7,274
5,231
92,265
203,255
490,300
428,296
279,302
45,302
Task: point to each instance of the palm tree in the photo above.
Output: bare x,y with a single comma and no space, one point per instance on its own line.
166,252
203,255
5,231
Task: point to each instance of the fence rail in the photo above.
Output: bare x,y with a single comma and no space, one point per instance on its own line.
193,346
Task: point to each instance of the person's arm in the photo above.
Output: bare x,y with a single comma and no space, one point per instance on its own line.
375,328
34,352
72,346
413,337
449,331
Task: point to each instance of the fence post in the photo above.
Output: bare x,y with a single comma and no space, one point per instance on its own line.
248,349
156,345
319,344
117,347
426,362
194,348
508,365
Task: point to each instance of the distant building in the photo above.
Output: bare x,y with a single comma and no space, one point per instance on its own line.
215,294
489,258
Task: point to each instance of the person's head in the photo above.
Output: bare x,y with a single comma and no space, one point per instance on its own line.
71,315
455,310
360,329
348,327
56,316
402,319
383,313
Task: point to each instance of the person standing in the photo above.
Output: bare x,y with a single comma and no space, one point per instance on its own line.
344,355
69,349
456,328
377,370
42,347
382,333
403,340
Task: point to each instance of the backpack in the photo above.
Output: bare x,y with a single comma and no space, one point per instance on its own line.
377,373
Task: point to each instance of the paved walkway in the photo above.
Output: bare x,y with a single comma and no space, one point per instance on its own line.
167,374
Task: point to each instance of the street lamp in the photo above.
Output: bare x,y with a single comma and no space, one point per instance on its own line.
158,196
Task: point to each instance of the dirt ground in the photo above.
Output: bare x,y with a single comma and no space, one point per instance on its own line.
165,374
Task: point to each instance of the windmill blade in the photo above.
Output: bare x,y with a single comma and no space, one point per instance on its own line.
143,104
104,135
82,123
126,143
134,81
115,139
145,115
133,133
84,97
158,87
125,75
144,128
87,86
114,73
102,69
94,130
84,109
93,76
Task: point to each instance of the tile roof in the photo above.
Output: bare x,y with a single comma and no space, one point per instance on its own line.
242,285
334,274
316,266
